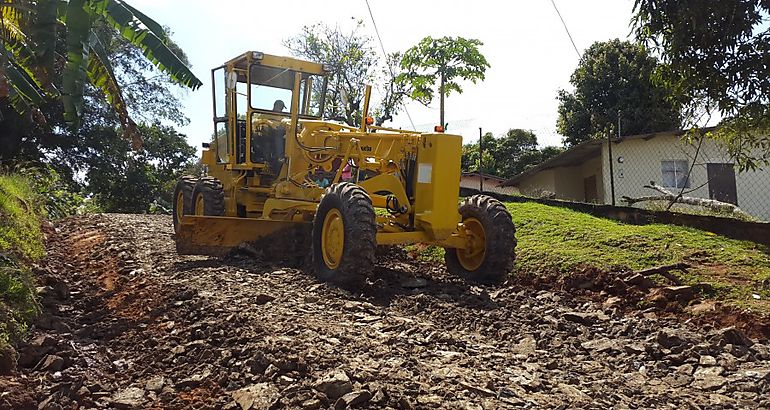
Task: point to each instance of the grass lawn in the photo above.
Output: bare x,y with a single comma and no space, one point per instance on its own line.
554,241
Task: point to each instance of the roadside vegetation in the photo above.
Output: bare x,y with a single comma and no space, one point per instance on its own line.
556,242
21,243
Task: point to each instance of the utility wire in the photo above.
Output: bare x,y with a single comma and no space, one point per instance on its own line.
566,29
385,54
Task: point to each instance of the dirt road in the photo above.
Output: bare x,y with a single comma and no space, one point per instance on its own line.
128,323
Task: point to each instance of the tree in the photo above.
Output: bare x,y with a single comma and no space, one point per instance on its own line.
354,63
123,180
444,60
614,79
31,61
97,161
716,56
507,156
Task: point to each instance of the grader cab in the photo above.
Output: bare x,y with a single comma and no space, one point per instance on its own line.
276,166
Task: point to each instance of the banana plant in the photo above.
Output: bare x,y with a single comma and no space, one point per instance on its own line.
28,32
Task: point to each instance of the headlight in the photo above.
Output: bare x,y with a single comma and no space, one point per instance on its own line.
256,55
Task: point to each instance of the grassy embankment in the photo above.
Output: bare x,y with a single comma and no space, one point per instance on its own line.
556,242
21,243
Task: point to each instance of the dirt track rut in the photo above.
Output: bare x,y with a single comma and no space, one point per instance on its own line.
130,324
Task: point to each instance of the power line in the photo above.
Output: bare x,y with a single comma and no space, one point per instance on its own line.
385,54
566,29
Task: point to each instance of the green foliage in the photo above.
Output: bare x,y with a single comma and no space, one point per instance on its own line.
444,61
716,55
354,63
615,78
21,242
20,235
126,181
507,156
55,195
29,72
552,241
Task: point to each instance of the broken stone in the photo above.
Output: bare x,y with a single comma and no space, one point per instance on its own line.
640,281
669,338
312,404
260,396
51,363
734,336
353,399
414,283
194,380
572,394
526,346
611,302
130,398
708,378
600,345
262,298
405,404
579,317
155,383
707,361
335,384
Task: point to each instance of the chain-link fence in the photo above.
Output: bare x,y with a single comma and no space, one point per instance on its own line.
654,171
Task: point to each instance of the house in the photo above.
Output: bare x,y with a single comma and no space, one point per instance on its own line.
583,173
491,183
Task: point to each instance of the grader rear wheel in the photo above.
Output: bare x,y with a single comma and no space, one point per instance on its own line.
208,197
491,241
183,199
344,234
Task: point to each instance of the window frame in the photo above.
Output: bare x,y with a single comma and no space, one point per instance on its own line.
679,168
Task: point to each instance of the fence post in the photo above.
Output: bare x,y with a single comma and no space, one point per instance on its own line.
612,172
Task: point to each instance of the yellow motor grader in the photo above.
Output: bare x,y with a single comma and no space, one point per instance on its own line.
270,170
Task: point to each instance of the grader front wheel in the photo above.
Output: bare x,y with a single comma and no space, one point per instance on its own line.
490,242
344,234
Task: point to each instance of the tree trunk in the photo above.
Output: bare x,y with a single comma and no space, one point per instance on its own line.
667,195
441,91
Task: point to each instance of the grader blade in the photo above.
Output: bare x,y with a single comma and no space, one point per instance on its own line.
218,235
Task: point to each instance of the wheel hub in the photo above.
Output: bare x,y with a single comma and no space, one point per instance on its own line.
472,256
333,239
179,207
199,206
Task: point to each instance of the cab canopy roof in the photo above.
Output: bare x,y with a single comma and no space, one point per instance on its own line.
244,60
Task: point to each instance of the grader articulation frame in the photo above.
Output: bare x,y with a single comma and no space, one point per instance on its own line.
270,171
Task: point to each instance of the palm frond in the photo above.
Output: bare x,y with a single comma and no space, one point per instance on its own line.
78,22
24,84
102,76
43,35
141,31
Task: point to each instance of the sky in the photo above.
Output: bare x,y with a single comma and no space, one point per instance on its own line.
528,50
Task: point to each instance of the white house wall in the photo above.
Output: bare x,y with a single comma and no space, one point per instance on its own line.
568,183
537,183
642,164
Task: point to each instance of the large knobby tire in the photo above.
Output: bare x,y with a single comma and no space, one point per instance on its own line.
344,235
208,197
183,199
484,217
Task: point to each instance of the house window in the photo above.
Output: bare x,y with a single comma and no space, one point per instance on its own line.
675,174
